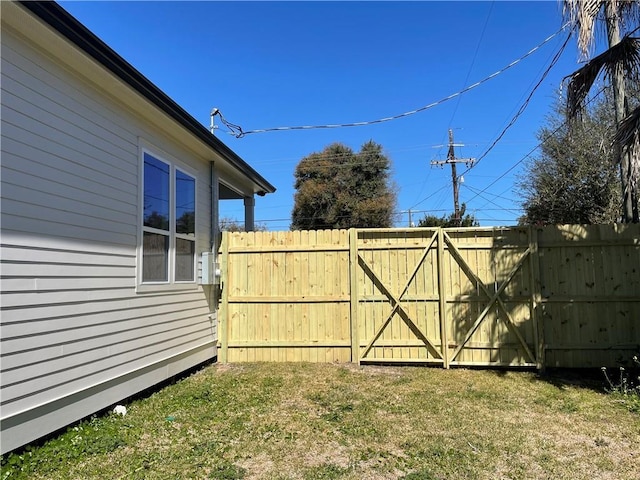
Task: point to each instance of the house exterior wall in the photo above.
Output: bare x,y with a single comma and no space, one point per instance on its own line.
77,333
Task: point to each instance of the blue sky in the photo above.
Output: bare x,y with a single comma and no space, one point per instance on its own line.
279,64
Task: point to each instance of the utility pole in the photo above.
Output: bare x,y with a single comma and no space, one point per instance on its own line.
410,217
452,160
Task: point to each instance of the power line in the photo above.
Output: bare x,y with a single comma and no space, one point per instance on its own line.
523,106
238,132
483,196
386,152
498,196
516,116
528,154
430,196
473,61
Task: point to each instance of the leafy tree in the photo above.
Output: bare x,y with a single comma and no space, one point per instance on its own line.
156,220
574,180
450,220
232,225
338,188
186,223
620,64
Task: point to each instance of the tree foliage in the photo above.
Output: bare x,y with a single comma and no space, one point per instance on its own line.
232,225
574,179
338,188
447,221
620,66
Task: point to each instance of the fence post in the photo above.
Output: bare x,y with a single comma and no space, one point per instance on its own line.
353,294
536,297
442,300
224,304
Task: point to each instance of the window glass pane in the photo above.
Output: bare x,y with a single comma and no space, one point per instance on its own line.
156,193
185,204
185,260
155,256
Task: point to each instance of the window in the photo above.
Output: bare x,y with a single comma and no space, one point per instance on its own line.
168,229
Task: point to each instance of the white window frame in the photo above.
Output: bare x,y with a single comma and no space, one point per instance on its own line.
171,284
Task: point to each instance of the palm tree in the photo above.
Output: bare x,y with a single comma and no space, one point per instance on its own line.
620,63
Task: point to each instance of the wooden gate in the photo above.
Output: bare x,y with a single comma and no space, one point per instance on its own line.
454,297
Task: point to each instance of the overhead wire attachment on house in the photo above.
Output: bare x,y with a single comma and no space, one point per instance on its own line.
235,130
213,127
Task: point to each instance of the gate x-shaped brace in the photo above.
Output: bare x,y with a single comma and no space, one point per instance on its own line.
397,306
493,299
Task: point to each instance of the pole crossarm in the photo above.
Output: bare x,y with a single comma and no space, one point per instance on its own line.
493,299
396,302
439,163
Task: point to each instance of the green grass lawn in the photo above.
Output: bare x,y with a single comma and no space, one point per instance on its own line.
303,421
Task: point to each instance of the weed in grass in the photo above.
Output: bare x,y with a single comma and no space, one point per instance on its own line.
401,380
474,393
381,460
208,448
626,389
227,471
203,394
325,472
563,400
568,405
422,475
447,457
272,432
271,383
336,412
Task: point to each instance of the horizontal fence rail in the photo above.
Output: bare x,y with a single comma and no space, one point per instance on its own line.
561,296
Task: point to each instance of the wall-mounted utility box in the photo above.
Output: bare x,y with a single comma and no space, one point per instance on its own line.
210,273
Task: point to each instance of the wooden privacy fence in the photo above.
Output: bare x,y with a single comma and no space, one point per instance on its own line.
565,296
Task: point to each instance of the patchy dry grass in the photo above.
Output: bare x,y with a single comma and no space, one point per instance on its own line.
302,421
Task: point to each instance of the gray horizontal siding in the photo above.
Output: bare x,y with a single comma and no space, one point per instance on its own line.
16,253
71,317
96,329
43,94
71,373
66,159
65,131
59,207
47,191
52,329
27,306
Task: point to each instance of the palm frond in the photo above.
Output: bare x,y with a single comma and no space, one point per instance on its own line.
625,54
628,137
583,14
579,85
634,167
628,129
629,15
